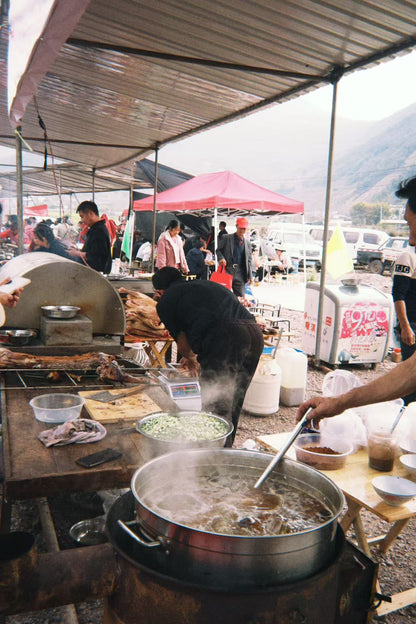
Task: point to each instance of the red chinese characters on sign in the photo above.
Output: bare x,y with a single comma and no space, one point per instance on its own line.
364,319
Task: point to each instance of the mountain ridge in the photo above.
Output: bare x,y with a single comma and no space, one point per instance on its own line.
286,150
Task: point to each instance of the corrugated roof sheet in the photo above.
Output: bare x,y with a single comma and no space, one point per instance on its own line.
103,98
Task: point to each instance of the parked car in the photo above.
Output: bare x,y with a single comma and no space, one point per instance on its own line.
383,258
297,243
355,238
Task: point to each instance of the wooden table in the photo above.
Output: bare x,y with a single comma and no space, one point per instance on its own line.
33,471
355,482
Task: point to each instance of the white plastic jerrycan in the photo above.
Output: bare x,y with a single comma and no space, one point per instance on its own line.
294,366
262,396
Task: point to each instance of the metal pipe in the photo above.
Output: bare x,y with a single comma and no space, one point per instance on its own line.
152,267
19,190
131,226
167,56
93,184
337,73
215,237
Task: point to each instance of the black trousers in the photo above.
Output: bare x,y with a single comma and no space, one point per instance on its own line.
228,362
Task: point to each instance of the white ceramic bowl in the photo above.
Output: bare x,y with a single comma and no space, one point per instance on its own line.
57,408
394,490
408,446
409,463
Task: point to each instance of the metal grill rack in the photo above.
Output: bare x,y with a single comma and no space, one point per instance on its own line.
15,379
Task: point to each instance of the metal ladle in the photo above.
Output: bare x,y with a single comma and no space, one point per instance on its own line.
284,448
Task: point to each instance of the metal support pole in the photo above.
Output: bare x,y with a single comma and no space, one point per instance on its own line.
336,73
19,190
215,237
93,184
154,208
131,213
304,248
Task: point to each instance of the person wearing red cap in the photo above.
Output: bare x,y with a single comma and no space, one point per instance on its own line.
234,252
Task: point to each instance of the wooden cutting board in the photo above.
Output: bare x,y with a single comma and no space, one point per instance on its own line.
130,408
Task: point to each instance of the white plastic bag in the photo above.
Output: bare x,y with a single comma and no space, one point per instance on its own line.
338,382
348,426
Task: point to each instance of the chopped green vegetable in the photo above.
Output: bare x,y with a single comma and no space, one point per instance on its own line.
193,427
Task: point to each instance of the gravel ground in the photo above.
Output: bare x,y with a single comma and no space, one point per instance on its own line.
397,566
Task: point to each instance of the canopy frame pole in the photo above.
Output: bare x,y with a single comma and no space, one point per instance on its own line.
304,248
19,190
215,237
93,184
61,207
131,214
337,73
154,207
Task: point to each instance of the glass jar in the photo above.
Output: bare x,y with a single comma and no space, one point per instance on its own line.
382,450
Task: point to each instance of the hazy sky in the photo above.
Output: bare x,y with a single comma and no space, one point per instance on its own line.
373,93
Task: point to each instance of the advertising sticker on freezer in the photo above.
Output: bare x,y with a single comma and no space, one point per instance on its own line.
356,323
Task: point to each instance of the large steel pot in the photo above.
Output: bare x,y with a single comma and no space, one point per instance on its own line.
229,560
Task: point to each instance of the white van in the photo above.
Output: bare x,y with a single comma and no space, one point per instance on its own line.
297,242
356,238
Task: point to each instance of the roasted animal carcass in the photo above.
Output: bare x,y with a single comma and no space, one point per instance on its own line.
13,359
111,371
142,320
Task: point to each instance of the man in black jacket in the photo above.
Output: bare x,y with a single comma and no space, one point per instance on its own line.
96,252
234,252
215,334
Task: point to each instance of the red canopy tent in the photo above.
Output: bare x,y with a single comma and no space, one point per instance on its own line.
36,211
225,192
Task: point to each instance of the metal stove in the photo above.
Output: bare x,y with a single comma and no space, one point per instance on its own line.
58,281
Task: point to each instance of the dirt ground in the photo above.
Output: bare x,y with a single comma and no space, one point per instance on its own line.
397,566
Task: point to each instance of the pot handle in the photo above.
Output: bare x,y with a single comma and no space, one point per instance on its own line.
136,537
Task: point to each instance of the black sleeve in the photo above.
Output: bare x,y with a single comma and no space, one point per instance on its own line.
401,285
164,309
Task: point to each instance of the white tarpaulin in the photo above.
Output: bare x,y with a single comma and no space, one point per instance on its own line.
38,31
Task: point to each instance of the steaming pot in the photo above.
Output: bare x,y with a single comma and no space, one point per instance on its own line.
228,560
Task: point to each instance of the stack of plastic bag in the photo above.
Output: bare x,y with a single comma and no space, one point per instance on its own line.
347,425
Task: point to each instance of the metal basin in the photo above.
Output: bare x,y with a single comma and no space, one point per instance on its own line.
160,443
217,558
60,312
17,337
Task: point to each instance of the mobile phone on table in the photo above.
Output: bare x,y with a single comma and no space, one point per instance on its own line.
95,459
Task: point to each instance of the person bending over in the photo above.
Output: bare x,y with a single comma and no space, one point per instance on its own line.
216,336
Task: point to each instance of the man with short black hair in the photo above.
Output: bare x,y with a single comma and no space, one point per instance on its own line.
222,226
215,333
96,252
404,283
